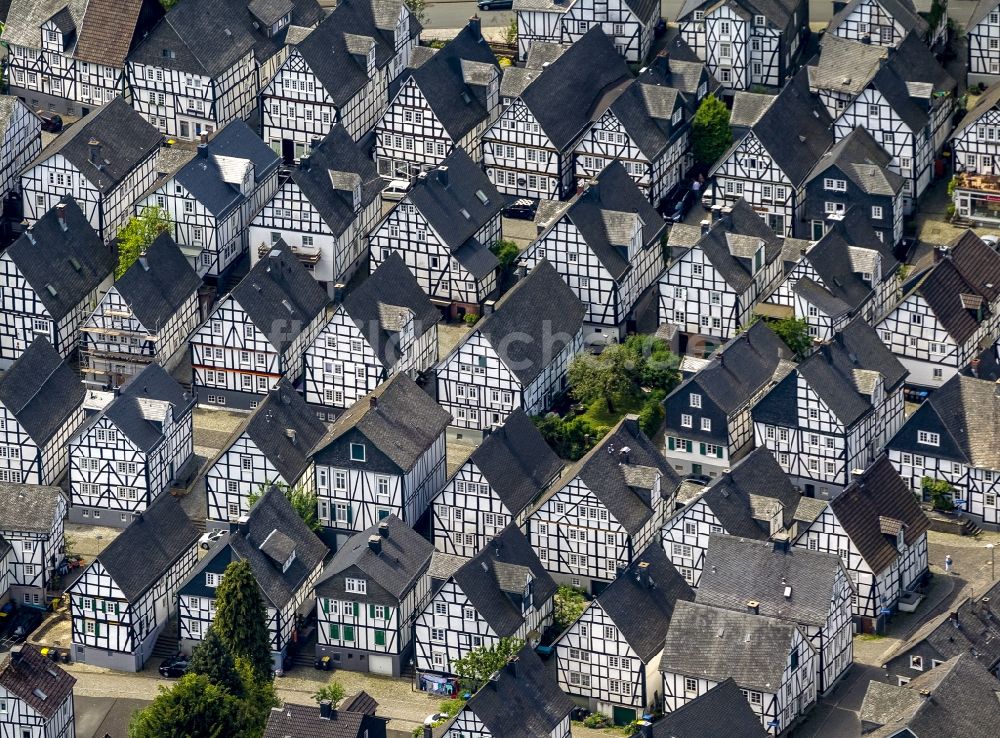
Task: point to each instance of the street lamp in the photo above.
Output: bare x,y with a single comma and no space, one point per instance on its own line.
992,549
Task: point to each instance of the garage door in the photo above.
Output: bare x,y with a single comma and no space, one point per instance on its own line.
380,665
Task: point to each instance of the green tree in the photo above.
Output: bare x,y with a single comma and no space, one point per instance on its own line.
303,501
241,619
510,32
710,132
506,253
136,236
168,4
604,377
211,658
568,606
652,362
475,668
939,492
419,10
259,697
570,439
194,707
795,333
334,692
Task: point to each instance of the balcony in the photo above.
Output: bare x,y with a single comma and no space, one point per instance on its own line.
977,198
310,257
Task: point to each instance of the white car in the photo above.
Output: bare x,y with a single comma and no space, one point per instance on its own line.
396,189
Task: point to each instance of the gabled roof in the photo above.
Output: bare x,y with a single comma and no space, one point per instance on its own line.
789,583
36,680
398,418
716,644
984,103
607,213
983,8
911,79
62,266
845,65
25,18
642,599
646,106
391,290
748,107
620,471
494,579
125,140
516,462
112,27
721,711
900,11
576,89
28,507
522,700
539,302
778,12
733,240
863,161
143,553
158,284
403,557
304,721
214,177
879,493
279,292
41,391
8,104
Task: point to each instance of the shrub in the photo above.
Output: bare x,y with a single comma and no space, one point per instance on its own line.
597,720
651,416
571,438
471,318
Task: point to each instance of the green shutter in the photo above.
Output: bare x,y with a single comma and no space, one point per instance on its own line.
93,604
357,609
335,631
97,629
371,611
670,443
104,606
350,516
718,451
702,448
325,604
379,637
348,632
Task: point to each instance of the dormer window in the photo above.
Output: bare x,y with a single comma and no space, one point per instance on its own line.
699,15
356,586
358,452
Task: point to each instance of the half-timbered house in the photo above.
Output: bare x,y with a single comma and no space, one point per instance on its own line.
443,228
37,695
286,559
606,246
948,312
708,427
947,439
768,166
502,592
515,357
270,448
629,24
842,70
713,288
878,530
855,174
744,43
983,33
722,710
605,509
369,597
976,148
442,102
521,700
353,718
753,500
384,456
531,149
51,278
258,332
907,107
41,406
323,210
878,22
20,141
204,63
808,588
338,73
126,596
385,326
145,317
609,659
214,197
104,162
771,660
494,487
69,57
130,453
31,521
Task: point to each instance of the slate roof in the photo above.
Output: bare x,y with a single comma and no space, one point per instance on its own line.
984,103
398,418
645,107
901,11
912,63
148,547
748,107
62,266
642,611
36,680
778,12
539,305
721,711
576,89
607,468
738,570
28,507
524,701
483,577
158,284
125,139
208,176
516,462
25,18
304,721
452,82
8,103
959,697
845,65
832,372
878,492
112,27
717,644
742,224
614,198
41,391
404,558
280,296
863,161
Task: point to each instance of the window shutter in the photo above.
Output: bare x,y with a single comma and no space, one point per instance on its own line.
718,451
104,606
334,630
325,604
97,629
350,515
702,448
371,611
379,637
93,604
357,609
670,443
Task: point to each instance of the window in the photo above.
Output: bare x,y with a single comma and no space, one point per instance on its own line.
706,424
690,686
876,212
211,579
928,438
357,452
917,663
469,613
356,586
695,400
686,421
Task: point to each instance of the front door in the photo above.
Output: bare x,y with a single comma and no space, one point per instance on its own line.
696,469
288,150
185,129
622,715
817,230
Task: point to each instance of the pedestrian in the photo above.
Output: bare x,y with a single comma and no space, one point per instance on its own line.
947,564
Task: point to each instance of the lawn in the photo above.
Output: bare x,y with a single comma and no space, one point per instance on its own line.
597,413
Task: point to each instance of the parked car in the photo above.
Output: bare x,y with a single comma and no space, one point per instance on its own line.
707,196
991,240
396,189
174,667
702,479
25,620
521,209
680,205
50,121
495,4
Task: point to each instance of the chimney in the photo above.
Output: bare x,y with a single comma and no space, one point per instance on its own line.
975,366
304,162
383,529
646,729
521,272
428,731
203,138
61,212
443,175
375,544
314,143
753,607
325,707
476,27
706,226
623,455
373,402
291,435
512,666
203,151
244,525
95,150
642,572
